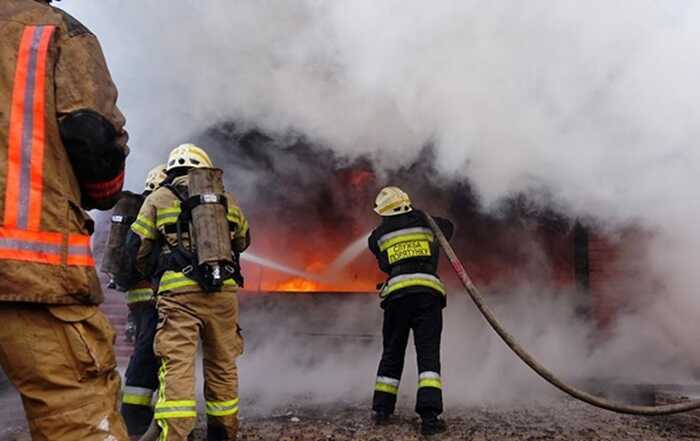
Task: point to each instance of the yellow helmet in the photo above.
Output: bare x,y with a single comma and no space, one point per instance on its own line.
154,177
188,155
392,201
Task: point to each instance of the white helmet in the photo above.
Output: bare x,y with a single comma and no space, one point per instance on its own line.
392,201
188,155
155,176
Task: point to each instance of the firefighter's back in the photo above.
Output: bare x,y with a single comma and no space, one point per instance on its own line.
55,345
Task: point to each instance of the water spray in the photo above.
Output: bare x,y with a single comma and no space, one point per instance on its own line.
263,261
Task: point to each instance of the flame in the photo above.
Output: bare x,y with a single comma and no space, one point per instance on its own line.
298,284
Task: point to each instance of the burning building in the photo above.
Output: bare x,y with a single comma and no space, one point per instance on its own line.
310,213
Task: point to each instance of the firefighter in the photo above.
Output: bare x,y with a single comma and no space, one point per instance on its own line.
62,150
412,298
190,309
141,379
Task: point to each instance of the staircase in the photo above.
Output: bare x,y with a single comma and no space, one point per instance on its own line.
116,310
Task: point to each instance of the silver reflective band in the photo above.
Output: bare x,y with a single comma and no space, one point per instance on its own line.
429,375
388,380
393,234
422,276
28,136
30,246
140,391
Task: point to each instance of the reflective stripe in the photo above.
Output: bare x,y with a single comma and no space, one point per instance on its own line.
144,228
44,247
222,408
409,280
175,409
387,384
26,141
173,280
166,409
139,396
139,295
79,252
235,216
166,216
162,373
429,379
403,235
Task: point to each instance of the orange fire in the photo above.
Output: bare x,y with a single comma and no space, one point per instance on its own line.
298,284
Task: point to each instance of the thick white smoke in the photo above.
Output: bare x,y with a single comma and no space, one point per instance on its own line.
593,104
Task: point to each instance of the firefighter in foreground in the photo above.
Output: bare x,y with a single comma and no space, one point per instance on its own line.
412,298
196,301
141,379
62,150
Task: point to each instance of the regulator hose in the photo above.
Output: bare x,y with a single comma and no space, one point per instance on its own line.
534,364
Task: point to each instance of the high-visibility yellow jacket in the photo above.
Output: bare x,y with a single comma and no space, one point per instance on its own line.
50,67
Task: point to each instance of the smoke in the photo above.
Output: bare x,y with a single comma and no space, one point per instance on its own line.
589,108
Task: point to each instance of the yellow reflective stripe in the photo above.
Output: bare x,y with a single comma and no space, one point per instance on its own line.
172,280
166,216
381,387
405,238
144,228
430,382
139,295
137,400
222,408
235,216
163,424
164,415
175,409
244,227
177,403
413,282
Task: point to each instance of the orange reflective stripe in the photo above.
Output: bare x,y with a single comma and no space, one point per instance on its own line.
36,188
14,152
32,236
20,238
81,261
44,247
31,246
30,256
23,196
79,252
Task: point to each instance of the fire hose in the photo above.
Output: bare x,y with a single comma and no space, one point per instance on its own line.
543,372
153,431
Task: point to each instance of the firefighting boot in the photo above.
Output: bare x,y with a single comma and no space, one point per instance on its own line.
432,425
381,418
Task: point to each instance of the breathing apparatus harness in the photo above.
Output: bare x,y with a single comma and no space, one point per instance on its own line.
209,276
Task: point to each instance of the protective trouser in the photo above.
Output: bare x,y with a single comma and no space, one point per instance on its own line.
142,372
61,360
184,319
422,313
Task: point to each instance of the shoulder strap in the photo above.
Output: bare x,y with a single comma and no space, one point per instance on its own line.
175,191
